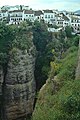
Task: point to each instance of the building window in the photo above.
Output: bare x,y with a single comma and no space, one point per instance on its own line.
48,16
45,16
51,16
71,20
29,15
26,15
38,17
78,29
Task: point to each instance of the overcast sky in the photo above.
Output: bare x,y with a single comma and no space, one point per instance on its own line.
70,5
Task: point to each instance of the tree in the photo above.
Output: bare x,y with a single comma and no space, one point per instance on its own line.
40,36
7,35
68,31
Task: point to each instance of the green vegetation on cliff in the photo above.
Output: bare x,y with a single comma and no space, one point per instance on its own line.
59,98
13,37
50,47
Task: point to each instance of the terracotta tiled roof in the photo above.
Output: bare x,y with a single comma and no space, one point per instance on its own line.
15,11
48,11
28,12
60,20
75,18
16,16
65,18
38,13
57,15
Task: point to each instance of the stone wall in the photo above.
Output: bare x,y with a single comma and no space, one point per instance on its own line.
19,83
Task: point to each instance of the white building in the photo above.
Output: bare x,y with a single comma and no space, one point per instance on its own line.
38,15
62,20
75,23
19,13
28,15
49,16
59,20
3,15
16,16
54,30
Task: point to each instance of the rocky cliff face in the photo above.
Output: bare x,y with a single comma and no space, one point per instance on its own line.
18,89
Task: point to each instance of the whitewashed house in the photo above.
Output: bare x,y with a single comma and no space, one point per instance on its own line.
54,30
66,21
4,15
49,16
28,15
16,16
38,15
62,20
59,20
75,23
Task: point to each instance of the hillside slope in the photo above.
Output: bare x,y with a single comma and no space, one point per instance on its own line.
59,98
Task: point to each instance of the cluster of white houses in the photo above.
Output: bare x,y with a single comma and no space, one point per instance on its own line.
54,17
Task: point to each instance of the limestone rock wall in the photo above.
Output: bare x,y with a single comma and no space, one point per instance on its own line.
19,83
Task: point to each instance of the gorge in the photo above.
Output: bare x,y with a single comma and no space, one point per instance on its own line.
29,55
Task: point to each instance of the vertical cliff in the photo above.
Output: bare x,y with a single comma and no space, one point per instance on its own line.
18,89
